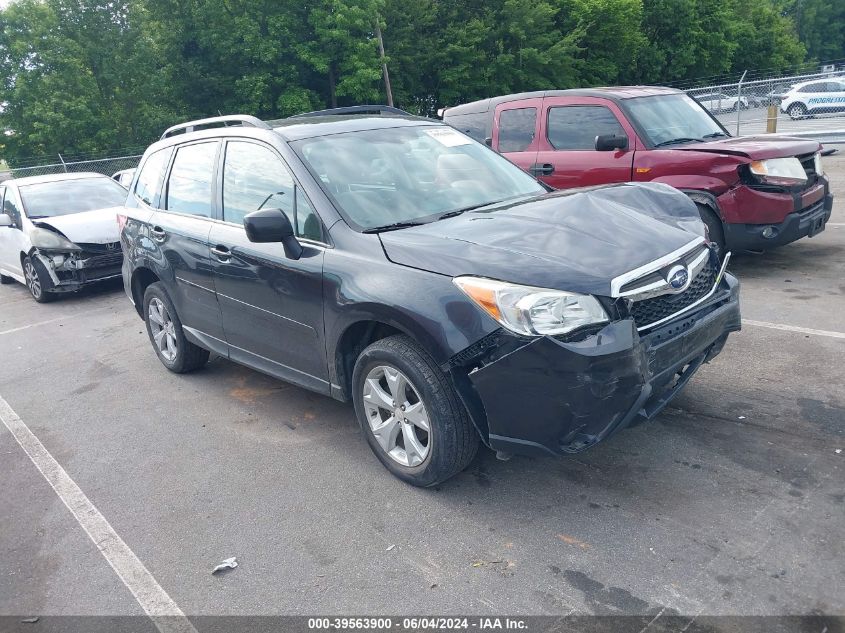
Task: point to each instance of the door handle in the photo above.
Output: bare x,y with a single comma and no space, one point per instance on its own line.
158,233
542,170
221,252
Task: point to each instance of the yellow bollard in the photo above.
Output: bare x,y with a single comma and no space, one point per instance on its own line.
772,120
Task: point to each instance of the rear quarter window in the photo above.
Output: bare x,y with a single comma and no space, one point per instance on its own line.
473,124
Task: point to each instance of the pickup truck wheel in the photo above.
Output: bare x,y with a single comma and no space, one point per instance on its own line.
411,415
714,228
164,328
797,111
37,280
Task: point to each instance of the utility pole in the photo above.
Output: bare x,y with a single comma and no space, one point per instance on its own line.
383,63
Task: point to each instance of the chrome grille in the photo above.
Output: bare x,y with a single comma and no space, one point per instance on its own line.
650,311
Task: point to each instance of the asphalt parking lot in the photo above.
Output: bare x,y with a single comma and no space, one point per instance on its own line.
731,502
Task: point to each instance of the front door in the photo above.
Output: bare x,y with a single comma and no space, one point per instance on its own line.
272,306
12,239
568,143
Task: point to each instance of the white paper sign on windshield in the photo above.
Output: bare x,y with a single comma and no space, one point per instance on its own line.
448,137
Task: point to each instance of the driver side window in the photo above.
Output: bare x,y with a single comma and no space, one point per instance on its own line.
255,178
11,208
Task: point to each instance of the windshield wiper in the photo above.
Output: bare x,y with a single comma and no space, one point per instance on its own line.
392,227
679,140
715,135
456,212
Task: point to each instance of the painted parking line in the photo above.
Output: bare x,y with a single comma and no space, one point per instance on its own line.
49,321
162,610
794,328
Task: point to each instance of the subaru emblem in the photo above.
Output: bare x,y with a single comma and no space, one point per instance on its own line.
678,278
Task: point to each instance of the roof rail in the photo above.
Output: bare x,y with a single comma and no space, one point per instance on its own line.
190,126
352,110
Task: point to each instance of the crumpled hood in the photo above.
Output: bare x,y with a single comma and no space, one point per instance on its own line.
755,147
576,240
89,227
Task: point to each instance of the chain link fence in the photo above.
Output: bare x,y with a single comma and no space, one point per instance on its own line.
106,166
809,104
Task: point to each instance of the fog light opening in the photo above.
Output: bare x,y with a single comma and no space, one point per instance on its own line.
769,232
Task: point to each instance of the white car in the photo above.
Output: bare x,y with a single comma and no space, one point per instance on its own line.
720,102
59,233
814,97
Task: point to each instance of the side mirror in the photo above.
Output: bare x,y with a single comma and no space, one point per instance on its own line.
488,142
272,225
5,220
610,142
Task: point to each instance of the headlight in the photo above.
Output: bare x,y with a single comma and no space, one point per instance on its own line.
779,171
817,161
532,311
47,240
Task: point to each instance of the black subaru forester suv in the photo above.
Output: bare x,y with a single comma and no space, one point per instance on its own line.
395,262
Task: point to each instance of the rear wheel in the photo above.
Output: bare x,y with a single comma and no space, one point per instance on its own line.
164,328
37,280
411,415
797,111
714,228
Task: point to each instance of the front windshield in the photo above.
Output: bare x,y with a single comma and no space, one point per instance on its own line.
664,118
65,197
397,175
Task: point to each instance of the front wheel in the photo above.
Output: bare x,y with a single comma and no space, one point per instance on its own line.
411,415
164,328
714,228
37,280
797,111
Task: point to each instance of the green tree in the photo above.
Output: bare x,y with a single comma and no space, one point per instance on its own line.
821,27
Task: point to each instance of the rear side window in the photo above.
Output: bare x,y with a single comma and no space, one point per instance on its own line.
254,178
473,124
189,187
149,180
576,127
516,129
813,88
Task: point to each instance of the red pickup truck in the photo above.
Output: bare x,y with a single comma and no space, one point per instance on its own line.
754,193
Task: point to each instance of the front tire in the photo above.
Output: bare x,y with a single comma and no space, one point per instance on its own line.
797,111
164,328
714,228
37,280
411,415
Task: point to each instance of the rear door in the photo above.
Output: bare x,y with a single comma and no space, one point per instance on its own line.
567,143
272,306
515,129
180,232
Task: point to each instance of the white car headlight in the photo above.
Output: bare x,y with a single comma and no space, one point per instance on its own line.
48,240
532,311
779,171
817,159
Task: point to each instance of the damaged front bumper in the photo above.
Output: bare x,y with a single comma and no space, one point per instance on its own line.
546,395
69,271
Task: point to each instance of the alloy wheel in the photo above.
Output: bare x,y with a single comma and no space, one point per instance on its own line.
32,281
797,111
397,416
163,329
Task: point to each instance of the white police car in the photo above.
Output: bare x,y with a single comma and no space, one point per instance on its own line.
814,97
